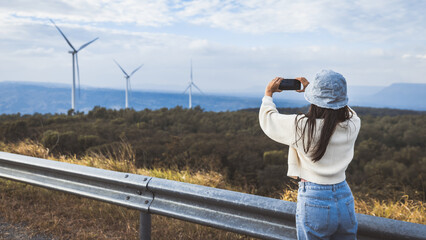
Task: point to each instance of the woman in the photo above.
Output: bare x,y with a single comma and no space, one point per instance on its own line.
321,146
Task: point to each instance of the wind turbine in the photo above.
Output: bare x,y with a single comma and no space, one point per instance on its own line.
74,52
191,83
127,77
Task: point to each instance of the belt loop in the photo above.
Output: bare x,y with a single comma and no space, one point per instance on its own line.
334,187
304,186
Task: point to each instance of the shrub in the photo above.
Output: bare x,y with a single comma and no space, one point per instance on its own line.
15,131
66,142
276,157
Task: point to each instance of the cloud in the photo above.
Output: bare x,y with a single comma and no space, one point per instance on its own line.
420,56
379,20
143,13
415,56
251,16
135,32
34,51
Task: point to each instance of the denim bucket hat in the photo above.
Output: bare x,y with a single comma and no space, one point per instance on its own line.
328,90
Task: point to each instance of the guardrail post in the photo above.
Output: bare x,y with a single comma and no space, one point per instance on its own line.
145,226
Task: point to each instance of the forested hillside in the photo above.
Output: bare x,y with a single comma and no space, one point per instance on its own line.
389,154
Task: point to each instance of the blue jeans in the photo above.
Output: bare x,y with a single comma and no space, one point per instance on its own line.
325,212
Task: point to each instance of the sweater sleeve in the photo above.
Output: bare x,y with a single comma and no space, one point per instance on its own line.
278,127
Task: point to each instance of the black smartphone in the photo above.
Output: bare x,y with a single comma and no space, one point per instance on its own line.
290,84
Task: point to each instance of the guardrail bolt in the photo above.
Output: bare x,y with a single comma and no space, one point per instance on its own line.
127,175
146,201
145,179
127,198
140,192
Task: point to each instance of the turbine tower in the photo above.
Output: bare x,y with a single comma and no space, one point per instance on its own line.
127,77
191,83
74,52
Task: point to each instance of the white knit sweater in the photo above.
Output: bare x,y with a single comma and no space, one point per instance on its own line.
330,169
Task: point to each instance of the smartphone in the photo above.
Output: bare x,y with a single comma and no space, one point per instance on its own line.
290,84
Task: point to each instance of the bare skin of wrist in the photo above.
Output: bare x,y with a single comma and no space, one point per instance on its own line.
268,93
273,86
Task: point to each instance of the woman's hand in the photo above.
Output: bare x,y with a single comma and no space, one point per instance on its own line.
304,82
273,86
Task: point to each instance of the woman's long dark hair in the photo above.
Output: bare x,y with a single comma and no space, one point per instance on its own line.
331,119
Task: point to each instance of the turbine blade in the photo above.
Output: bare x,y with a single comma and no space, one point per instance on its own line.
78,74
136,70
197,88
186,89
127,75
86,44
63,35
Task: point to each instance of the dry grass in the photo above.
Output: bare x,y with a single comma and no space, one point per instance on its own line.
404,209
70,217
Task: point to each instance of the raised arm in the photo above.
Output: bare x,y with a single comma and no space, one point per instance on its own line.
278,127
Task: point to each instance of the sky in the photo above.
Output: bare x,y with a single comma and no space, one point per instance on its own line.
235,46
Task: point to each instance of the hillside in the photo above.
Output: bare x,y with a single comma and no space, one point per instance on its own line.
399,95
220,149
389,148
28,98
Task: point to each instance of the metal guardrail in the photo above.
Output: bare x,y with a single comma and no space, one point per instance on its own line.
248,214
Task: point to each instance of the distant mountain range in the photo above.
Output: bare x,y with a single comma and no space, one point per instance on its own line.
410,96
28,98
398,95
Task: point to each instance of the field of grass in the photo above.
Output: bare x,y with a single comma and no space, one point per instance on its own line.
65,216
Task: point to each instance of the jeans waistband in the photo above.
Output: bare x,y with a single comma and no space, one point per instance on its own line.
315,186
